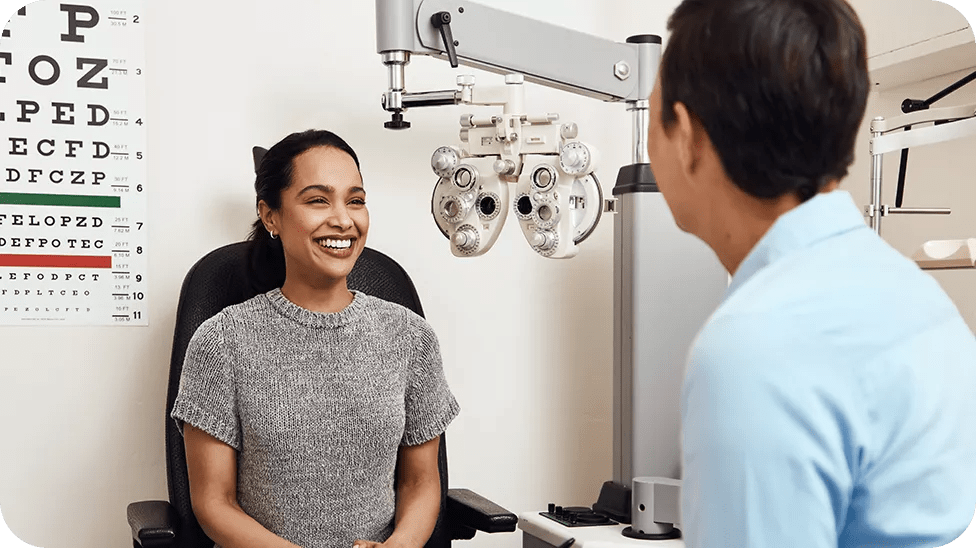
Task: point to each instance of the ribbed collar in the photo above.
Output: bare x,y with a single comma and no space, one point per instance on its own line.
346,316
817,219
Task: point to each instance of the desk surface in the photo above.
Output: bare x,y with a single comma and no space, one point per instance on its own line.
605,536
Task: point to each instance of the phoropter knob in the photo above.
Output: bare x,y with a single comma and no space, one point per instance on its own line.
544,240
443,161
465,239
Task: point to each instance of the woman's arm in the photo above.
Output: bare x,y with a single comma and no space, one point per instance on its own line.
418,496
212,469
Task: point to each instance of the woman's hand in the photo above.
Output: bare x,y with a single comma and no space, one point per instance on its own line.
390,543
212,471
360,543
418,498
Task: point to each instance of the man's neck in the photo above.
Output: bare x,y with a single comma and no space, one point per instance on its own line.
739,221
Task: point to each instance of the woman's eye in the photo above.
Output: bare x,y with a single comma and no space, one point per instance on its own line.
359,201
317,201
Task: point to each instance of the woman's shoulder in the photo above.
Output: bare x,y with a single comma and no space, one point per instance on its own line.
383,311
250,312
230,317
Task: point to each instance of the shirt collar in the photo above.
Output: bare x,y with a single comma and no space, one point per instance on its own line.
821,217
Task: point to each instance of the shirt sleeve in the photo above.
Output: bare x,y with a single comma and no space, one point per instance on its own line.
764,451
430,406
207,398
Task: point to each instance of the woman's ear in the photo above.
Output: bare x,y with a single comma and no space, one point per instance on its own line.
268,217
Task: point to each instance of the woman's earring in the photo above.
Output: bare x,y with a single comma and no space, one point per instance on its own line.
272,234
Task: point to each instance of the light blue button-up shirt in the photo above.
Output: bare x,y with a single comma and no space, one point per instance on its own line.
831,398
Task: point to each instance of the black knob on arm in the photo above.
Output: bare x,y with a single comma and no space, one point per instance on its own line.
397,122
442,22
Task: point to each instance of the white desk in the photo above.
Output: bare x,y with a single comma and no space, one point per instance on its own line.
602,536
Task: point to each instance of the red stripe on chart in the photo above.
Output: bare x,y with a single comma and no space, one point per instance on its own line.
56,261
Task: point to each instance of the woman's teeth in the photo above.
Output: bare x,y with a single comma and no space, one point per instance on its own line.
336,244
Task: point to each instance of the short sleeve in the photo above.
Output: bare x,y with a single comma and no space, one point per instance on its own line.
429,404
763,451
207,397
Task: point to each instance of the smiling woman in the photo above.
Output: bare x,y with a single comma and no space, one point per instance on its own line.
309,166
322,221
300,405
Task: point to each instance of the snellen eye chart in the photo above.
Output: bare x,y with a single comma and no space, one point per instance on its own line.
73,227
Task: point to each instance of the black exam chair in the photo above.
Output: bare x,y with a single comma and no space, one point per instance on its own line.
219,280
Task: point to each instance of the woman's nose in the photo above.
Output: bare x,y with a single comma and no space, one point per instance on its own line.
340,218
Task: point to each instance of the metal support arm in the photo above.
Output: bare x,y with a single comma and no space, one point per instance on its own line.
949,123
501,42
485,38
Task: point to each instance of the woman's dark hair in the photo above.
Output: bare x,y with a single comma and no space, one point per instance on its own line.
273,175
780,86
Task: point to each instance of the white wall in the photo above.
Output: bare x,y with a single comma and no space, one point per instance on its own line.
526,341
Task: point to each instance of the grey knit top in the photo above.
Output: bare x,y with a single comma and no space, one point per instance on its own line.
316,405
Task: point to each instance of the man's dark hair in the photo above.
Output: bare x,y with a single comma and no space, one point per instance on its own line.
780,86
273,175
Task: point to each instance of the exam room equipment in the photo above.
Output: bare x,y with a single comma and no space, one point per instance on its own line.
666,282
557,197
901,133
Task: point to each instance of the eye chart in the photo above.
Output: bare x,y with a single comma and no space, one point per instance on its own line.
73,242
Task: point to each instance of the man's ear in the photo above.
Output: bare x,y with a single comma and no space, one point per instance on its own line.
689,138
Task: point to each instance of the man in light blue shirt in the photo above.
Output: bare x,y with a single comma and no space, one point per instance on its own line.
830,400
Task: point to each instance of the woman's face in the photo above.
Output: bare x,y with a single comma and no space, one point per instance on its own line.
323,218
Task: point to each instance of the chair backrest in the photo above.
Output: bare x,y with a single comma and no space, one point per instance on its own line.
221,279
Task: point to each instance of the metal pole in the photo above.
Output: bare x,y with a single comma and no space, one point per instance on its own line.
918,211
648,59
876,208
641,125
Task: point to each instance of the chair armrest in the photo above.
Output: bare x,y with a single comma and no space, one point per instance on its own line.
470,510
154,523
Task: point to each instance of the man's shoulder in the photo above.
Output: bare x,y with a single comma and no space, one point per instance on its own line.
734,345
853,284
825,313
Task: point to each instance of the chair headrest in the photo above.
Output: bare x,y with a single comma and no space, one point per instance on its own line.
258,154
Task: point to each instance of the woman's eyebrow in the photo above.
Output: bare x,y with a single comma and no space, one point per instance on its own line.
329,189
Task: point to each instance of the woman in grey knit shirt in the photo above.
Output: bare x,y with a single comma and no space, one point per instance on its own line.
297,404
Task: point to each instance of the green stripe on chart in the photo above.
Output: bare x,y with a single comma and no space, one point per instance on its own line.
67,200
